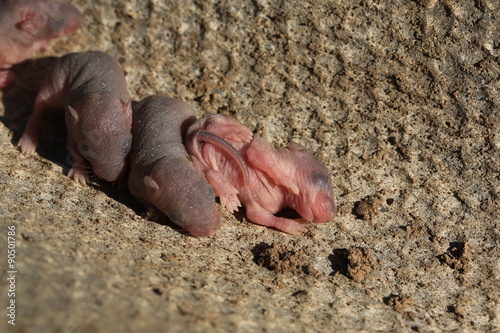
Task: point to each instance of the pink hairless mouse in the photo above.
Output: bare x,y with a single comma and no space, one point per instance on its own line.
262,178
162,176
27,26
91,88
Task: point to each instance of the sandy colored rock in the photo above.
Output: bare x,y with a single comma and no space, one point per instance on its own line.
399,99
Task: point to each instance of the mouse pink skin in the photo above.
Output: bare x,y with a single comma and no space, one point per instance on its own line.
27,26
92,89
276,178
162,175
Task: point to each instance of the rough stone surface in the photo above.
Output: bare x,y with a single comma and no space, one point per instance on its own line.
400,100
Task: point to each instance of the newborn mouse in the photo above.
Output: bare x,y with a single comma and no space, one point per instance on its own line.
91,88
265,179
162,175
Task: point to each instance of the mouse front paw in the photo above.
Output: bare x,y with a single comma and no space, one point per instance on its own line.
6,78
27,144
79,175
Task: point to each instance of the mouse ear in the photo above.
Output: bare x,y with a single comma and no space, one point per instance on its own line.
73,113
127,107
29,21
150,183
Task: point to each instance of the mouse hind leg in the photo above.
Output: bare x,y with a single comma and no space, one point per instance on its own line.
29,141
259,215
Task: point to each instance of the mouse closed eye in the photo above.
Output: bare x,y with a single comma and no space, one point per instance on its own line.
320,180
85,150
127,145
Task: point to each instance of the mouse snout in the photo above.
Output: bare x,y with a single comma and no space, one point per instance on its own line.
110,171
206,224
324,208
111,162
199,216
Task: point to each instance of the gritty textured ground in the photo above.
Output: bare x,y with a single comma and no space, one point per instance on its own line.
400,100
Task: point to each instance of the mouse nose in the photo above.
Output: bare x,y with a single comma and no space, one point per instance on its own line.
324,209
206,225
110,172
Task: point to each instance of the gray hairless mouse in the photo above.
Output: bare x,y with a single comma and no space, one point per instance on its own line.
92,89
162,176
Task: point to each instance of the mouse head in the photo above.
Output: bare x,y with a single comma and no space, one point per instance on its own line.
48,18
314,202
44,20
183,195
100,127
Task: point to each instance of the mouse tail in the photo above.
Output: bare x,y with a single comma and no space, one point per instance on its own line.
226,147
